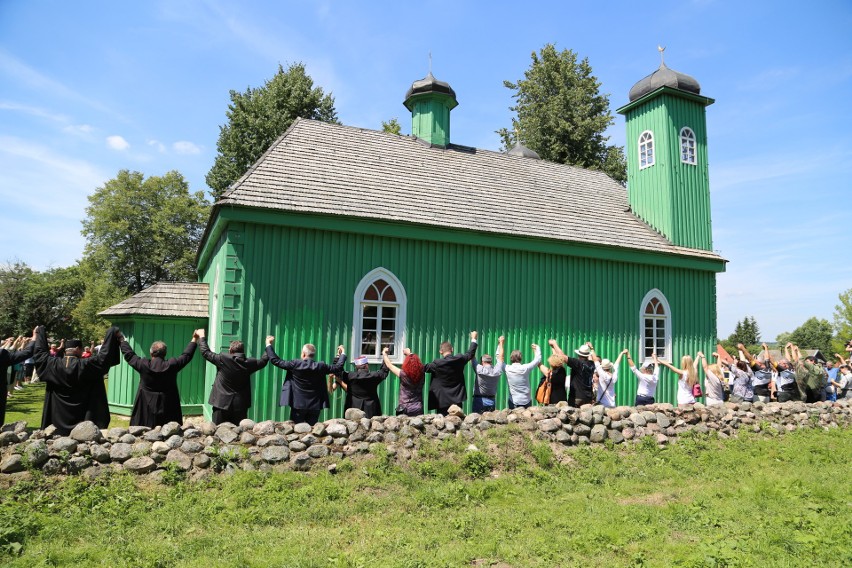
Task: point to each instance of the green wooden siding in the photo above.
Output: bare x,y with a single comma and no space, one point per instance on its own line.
299,285
141,332
671,196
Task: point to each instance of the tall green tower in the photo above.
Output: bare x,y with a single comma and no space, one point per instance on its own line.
430,102
667,176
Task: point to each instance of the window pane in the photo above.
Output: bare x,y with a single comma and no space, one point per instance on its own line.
388,311
380,285
387,337
370,311
649,343
649,309
368,349
371,293
390,347
369,324
389,295
661,324
660,310
388,325
368,337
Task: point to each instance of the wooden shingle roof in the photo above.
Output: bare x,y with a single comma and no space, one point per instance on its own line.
183,299
341,170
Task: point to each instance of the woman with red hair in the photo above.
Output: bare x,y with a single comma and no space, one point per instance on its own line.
410,382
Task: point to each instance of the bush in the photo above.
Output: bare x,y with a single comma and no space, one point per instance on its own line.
477,464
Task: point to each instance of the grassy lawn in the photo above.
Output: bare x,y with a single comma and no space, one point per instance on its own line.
752,501
28,403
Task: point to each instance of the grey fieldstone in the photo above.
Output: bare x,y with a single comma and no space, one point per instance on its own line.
36,453
49,431
616,436
170,429
587,418
598,433
201,461
637,419
417,422
337,430
377,426
99,453
248,438
455,410
8,438
563,437
64,444
120,452
192,433
226,434
114,434
276,454
302,461
160,447
550,425
191,447
662,439
183,461
246,424
582,430
297,446
318,451
137,430
174,441
86,432
154,435
127,439
354,414
272,440
77,464
141,448
265,428
52,466
303,427
628,433
207,428
142,464
12,464
318,430
392,424
663,420
16,427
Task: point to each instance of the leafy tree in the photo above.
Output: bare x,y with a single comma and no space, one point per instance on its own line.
99,294
813,334
562,115
392,126
141,231
746,332
257,117
843,322
14,277
49,298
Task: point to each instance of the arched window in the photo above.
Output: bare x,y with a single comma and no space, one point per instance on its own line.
655,330
646,149
687,146
379,316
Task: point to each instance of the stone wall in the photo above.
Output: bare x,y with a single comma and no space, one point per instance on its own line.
200,448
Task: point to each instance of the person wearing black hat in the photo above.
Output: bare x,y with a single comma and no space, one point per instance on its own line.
362,386
157,400
74,387
9,356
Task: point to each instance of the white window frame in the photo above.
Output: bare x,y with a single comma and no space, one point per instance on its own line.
667,330
687,135
401,304
649,143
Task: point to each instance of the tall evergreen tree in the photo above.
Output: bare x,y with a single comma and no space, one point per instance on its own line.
562,115
257,117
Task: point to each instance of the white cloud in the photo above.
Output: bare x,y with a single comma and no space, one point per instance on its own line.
161,148
79,129
117,142
185,147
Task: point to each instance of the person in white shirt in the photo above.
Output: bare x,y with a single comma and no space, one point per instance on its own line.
607,376
687,378
712,380
518,377
647,378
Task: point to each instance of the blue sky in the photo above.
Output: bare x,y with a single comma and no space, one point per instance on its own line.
89,88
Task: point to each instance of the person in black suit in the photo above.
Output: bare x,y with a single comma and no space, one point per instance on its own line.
230,396
158,399
305,389
447,387
362,387
74,387
9,357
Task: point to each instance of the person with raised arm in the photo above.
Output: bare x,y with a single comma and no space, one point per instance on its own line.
304,388
581,389
762,381
10,356
518,377
647,379
230,396
410,375
487,378
713,380
558,375
157,398
362,386
607,373
447,387
687,378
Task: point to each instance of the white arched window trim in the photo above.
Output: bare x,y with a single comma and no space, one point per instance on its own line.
687,146
647,154
655,293
357,313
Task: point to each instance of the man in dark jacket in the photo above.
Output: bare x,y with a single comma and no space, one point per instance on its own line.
9,357
74,387
158,399
362,387
447,387
231,393
305,389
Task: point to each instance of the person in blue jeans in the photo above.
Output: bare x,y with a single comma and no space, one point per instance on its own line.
487,376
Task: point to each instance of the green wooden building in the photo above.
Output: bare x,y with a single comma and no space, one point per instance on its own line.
343,235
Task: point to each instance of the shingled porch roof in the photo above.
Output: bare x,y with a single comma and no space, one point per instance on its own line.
174,299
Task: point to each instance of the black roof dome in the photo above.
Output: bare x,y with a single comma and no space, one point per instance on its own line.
429,84
664,77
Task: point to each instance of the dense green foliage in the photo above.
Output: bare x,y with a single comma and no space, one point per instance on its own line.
843,322
392,126
562,115
257,117
815,333
29,298
142,231
768,501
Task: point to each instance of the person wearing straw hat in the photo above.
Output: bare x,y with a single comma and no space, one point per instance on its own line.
647,378
582,368
607,376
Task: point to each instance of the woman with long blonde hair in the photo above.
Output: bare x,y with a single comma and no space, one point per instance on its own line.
713,380
687,378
